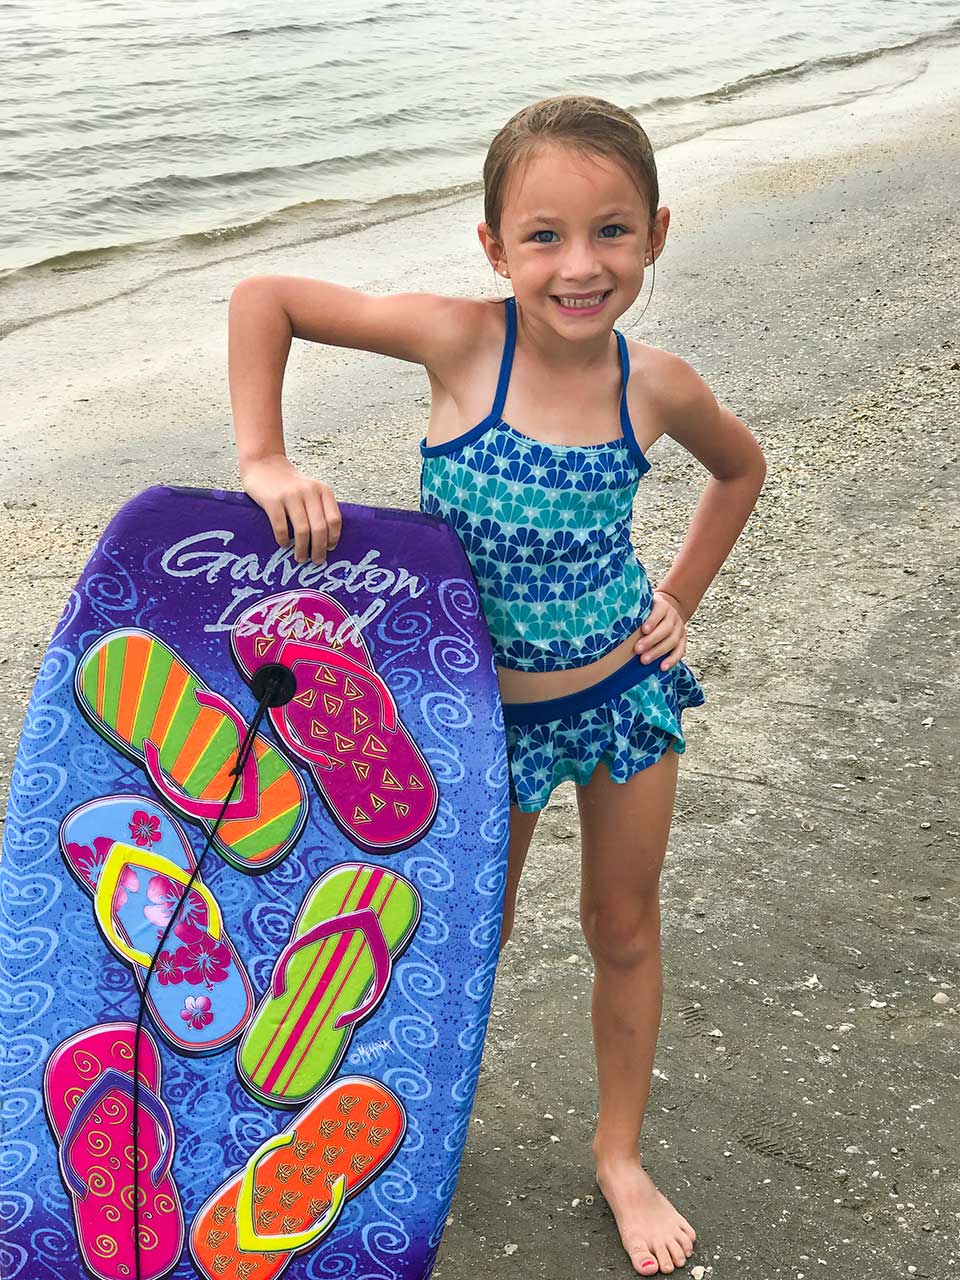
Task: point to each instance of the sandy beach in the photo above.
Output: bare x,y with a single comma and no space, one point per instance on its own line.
804,1112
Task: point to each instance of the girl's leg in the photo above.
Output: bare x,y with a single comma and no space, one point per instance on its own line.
624,828
521,833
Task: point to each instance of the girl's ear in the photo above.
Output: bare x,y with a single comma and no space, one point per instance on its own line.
491,245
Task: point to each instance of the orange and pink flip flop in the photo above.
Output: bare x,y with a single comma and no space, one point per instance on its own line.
148,703
292,1190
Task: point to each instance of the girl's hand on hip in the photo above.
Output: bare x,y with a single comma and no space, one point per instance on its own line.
287,495
664,633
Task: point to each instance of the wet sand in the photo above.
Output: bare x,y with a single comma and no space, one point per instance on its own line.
804,1111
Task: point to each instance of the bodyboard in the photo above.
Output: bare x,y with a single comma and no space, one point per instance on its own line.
314,1023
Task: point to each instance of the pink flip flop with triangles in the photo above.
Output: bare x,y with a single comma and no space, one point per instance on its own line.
343,722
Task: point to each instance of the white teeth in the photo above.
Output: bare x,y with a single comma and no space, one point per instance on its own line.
583,302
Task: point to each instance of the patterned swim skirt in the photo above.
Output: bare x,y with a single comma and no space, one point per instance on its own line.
628,720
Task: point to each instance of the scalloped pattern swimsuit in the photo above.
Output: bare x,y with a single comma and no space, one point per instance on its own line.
546,530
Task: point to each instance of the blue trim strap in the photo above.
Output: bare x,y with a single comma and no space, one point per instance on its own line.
625,423
570,704
500,398
506,361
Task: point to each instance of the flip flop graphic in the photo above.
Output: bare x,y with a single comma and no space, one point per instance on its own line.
153,708
134,859
88,1091
343,722
292,1190
331,975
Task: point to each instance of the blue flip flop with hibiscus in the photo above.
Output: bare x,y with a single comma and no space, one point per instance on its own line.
134,859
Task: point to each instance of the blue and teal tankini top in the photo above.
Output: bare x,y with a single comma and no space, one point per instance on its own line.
546,529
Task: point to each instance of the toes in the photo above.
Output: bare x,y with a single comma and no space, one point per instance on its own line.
677,1251
644,1261
686,1228
666,1262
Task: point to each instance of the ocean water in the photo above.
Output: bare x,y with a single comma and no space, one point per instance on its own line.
140,128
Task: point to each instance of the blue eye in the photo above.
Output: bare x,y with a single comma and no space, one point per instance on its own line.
615,226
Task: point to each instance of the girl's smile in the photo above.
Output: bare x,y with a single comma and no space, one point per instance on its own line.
574,304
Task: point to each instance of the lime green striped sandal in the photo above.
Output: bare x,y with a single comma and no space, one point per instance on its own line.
330,976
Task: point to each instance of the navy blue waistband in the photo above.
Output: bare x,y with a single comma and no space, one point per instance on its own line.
625,677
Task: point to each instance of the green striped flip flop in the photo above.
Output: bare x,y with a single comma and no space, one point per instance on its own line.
331,975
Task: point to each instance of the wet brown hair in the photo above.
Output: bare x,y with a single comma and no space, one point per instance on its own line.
591,126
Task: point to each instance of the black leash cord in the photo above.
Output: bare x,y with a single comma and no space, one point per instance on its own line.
274,685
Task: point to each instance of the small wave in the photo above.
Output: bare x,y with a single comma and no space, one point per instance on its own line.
801,70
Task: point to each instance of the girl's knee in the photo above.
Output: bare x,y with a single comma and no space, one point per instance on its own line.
621,935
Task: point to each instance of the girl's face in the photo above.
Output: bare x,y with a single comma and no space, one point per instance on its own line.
574,227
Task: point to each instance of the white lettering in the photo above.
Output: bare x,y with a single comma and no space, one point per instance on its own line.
372,1052
190,558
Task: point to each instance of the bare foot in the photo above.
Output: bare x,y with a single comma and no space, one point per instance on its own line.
655,1236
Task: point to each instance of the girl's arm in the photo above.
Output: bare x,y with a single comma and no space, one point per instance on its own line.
266,313
718,439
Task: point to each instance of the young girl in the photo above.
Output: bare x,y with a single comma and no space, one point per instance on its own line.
539,488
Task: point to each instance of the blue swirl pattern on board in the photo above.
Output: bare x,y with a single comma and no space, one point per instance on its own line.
434,653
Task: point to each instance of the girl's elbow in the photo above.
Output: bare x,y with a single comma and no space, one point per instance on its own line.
758,466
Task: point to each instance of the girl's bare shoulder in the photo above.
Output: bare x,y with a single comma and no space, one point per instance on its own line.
651,389
464,377
682,405
470,335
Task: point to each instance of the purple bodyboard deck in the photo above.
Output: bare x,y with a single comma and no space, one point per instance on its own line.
315,1019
